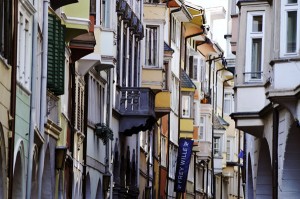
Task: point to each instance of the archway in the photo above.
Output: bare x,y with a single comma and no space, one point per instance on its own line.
99,194
46,180
34,179
19,175
291,166
2,164
88,187
250,193
264,172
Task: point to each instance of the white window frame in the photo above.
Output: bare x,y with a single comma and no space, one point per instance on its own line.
202,125
228,97
283,30
186,106
217,148
228,150
163,152
175,94
24,43
157,63
97,100
250,36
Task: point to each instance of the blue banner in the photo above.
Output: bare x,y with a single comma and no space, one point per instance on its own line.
183,163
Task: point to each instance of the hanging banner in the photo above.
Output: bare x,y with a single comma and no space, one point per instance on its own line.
183,163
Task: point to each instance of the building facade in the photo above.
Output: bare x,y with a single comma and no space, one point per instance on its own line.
266,46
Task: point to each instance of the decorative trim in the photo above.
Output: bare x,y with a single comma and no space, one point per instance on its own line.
52,129
75,20
28,6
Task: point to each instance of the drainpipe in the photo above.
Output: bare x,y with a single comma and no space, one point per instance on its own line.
13,98
207,178
213,182
195,162
86,97
216,85
168,154
43,100
239,169
275,152
32,104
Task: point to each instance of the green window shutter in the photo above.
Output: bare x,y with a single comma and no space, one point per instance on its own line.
56,56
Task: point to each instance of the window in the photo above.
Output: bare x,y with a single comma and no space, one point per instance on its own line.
228,152
202,128
175,31
151,46
175,95
24,55
118,68
191,169
124,55
96,101
217,146
163,152
227,103
56,56
5,29
290,39
186,106
79,105
253,71
144,140
173,161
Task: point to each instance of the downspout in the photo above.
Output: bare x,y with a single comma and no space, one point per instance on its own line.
213,182
207,179
239,161
195,163
109,143
32,104
168,154
13,98
275,151
221,192
43,99
86,97
72,131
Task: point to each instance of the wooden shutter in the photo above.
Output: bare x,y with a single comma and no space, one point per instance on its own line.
56,56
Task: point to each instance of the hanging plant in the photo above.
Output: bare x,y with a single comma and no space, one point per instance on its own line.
104,132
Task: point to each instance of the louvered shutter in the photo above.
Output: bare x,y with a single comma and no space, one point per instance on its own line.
56,56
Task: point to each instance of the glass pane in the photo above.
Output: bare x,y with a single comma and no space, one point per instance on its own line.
256,59
292,1
257,24
291,31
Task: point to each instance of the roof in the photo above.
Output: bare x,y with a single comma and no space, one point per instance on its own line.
167,47
219,123
186,81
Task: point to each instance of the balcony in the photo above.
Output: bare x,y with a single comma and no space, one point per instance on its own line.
248,116
136,109
204,150
77,19
153,78
186,128
162,103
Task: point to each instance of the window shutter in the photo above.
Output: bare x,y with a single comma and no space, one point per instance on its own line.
56,56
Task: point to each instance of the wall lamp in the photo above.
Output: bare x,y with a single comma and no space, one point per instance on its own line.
106,181
60,157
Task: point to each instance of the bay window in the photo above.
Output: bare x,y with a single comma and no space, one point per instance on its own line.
217,146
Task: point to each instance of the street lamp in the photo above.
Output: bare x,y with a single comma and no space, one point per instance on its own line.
106,181
60,156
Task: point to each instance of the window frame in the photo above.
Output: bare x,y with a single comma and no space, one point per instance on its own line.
163,152
219,147
188,100
251,35
202,124
157,62
286,7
